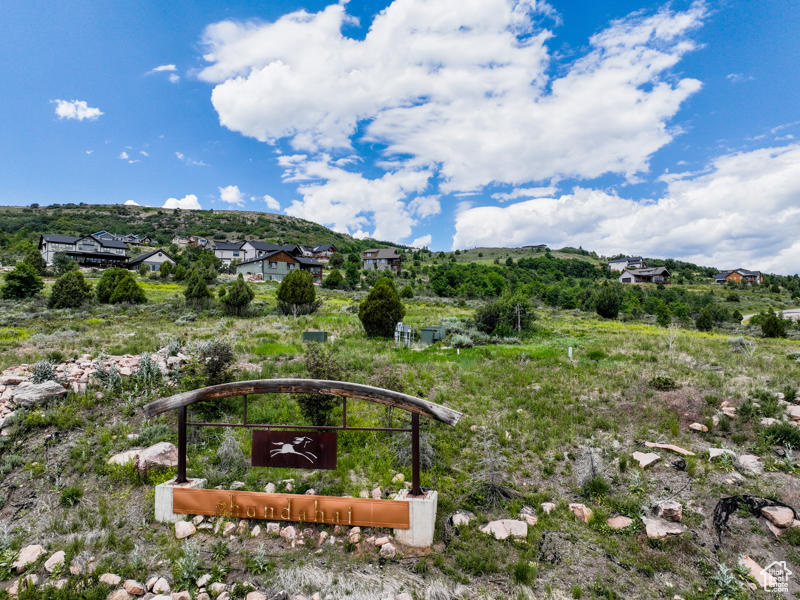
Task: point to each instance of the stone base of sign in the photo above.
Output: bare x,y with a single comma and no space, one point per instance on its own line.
163,502
421,518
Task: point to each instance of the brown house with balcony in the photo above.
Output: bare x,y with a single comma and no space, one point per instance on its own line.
382,259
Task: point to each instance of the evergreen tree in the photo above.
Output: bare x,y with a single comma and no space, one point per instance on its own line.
407,292
34,258
296,294
70,290
127,290
196,291
608,301
704,320
334,280
353,274
237,297
108,281
381,309
164,269
663,315
62,263
773,326
22,282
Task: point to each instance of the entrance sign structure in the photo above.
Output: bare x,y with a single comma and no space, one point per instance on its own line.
183,496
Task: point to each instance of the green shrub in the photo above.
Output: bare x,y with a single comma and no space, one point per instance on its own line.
237,297
783,433
407,292
382,309
663,383
70,290
704,320
773,326
71,496
596,487
42,371
62,263
608,300
524,572
215,357
108,281
196,292
296,294
22,282
118,285
334,280
505,316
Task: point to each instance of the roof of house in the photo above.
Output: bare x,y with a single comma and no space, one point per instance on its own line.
724,274
228,245
59,239
309,262
324,248
384,252
144,257
107,243
650,271
268,247
626,259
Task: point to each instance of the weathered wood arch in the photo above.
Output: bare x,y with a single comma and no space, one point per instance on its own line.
416,406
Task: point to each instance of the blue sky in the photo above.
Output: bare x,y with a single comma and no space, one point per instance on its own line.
640,127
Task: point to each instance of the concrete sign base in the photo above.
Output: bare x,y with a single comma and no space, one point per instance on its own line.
163,501
422,519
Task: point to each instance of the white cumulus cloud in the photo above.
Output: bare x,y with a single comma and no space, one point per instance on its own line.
460,93
272,204
740,212
76,109
422,242
188,202
131,203
230,194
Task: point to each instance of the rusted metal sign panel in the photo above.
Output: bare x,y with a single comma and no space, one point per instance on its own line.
294,449
299,508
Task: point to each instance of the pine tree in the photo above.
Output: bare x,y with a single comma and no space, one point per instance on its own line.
296,294
381,309
22,282
69,291
127,290
237,297
196,291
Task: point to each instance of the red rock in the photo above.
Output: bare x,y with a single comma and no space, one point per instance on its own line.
619,522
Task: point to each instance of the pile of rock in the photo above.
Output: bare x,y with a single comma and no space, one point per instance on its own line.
17,390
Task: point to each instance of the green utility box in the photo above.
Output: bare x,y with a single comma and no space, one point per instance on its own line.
315,336
432,334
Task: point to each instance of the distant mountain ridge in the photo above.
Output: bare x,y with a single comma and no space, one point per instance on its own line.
162,224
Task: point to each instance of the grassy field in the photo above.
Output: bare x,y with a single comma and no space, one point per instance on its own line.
537,423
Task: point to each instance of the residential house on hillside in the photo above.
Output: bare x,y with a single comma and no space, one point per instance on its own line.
651,275
276,265
739,276
381,259
254,249
191,240
86,250
129,238
535,247
323,252
152,259
626,262
228,252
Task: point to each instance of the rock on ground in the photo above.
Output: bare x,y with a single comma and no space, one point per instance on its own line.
461,517
582,512
29,394
619,522
670,447
162,454
750,463
658,529
134,588
125,457
670,510
184,529
528,514
388,550
503,528
110,579
780,516
645,459
27,556
56,560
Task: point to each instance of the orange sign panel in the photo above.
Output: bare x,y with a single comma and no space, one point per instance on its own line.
328,510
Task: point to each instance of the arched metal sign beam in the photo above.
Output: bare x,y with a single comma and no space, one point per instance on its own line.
306,386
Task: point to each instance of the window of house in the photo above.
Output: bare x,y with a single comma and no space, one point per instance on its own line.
236,254
273,265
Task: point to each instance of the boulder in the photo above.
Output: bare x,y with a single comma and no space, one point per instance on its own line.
203,580
670,510
715,452
255,531
582,512
110,579
503,528
764,578
376,493
384,539
27,556
29,394
619,522
120,594
269,488
780,516
161,586
217,588
698,427
528,514
750,463
548,507
184,529
670,447
461,517
55,561
162,454
23,583
289,533
255,596
645,459
134,588
273,528
767,421
228,529
388,550
658,529
793,410
184,595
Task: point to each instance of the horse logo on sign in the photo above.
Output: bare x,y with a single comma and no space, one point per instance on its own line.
294,449
286,448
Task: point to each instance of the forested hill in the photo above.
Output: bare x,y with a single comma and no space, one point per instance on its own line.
20,224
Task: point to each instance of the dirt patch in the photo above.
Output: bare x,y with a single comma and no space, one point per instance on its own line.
687,403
